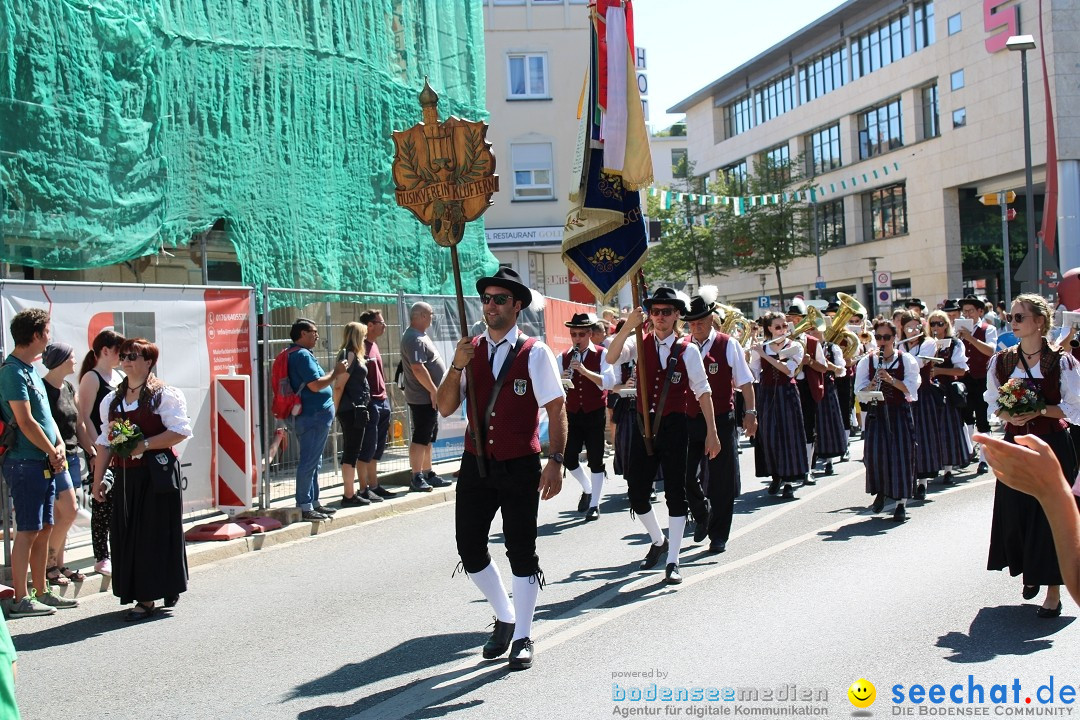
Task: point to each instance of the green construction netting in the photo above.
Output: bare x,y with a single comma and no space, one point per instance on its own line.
127,126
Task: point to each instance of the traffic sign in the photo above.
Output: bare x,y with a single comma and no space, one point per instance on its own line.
820,284
884,279
763,302
995,198
884,296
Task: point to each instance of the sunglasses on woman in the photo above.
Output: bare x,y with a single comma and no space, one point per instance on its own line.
937,323
498,298
131,356
1017,317
883,338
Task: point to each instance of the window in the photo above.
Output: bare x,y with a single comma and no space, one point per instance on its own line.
739,116
956,24
924,25
776,163
824,74
931,127
776,98
956,80
827,223
528,75
735,176
885,212
881,46
678,162
880,130
532,171
824,150
959,117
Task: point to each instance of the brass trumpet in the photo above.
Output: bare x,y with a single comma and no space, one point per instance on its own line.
734,319
814,319
838,332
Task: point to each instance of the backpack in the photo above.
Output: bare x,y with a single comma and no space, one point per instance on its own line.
8,436
286,401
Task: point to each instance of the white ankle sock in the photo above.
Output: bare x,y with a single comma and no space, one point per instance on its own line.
526,590
810,456
490,583
578,474
676,527
649,521
597,488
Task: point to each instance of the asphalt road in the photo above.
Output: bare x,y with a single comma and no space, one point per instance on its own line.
366,622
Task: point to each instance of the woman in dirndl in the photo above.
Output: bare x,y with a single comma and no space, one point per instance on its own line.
780,444
832,439
623,414
1020,537
945,426
889,451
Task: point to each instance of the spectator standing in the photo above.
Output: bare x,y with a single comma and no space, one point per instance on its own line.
312,425
97,378
424,369
59,360
30,465
352,398
150,561
379,420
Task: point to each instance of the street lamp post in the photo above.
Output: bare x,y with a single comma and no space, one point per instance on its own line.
1021,44
873,286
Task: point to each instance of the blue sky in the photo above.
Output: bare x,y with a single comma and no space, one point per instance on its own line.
690,43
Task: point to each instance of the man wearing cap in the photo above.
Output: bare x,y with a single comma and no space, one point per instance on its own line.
512,377
916,307
588,375
811,383
980,345
673,376
726,368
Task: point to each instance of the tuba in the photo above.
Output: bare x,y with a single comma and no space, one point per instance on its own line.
838,332
814,319
734,319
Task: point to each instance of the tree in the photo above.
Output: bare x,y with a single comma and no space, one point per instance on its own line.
768,235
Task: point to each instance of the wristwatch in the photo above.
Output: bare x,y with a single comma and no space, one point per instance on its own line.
1043,411
751,413
556,457
146,444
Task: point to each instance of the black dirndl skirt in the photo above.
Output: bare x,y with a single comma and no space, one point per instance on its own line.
927,433
955,441
780,444
1020,537
831,433
889,453
623,416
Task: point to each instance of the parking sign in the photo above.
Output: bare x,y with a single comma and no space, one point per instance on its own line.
763,302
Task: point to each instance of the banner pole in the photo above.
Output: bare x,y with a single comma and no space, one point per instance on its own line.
635,290
470,388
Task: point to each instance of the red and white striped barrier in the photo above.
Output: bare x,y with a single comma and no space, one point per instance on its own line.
234,484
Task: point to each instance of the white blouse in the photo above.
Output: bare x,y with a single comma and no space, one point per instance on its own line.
959,353
792,362
172,411
911,380
1070,385
837,358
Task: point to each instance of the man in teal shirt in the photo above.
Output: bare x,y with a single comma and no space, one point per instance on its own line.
29,465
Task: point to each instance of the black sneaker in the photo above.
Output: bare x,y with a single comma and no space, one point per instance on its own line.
325,510
436,480
357,500
314,516
382,492
419,484
371,496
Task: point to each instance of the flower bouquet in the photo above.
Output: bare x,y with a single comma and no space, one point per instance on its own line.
124,437
1019,397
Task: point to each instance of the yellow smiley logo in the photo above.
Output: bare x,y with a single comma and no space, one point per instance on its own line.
862,693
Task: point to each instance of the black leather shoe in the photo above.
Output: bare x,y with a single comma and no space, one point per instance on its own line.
583,502
314,516
920,491
1030,591
325,510
653,556
828,468
717,547
1045,612
592,514
899,514
879,503
702,518
946,479
774,486
671,574
983,468
499,640
788,493
521,654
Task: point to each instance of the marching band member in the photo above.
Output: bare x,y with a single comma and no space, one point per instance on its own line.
981,344
1020,537
810,380
831,435
725,365
586,412
781,439
889,450
675,376
943,443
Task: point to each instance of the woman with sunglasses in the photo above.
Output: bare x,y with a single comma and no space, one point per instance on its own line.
780,444
889,452
149,561
942,440
1020,537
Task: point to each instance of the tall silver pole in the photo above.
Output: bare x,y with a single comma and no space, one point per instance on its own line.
1005,248
1034,246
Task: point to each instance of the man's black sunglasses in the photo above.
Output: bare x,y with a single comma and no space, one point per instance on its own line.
498,299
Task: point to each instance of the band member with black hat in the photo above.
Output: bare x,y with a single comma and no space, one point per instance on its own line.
674,376
513,376
916,307
726,368
951,308
810,380
981,344
583,365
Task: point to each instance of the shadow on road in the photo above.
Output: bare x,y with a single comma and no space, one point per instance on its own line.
870,527
79,630
1002,630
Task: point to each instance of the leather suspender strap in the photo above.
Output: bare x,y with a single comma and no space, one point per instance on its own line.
503,372
673,362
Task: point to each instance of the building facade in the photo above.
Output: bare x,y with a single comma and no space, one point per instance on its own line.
902,113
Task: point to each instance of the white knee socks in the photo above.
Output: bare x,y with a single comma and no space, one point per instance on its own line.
597,488
526,590
490,583
676,527
578,474
810,457
649,521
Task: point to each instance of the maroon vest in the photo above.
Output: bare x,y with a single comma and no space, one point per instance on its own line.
1049,386
893,396
585,396
815,379
977,362
771,376
679,395
148,421
720,376
513,430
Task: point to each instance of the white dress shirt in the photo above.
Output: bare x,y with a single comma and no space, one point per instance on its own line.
740,371
607,373
837,358
695,367
912,380
792,362
172,410
959,353
543,370
1070,385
